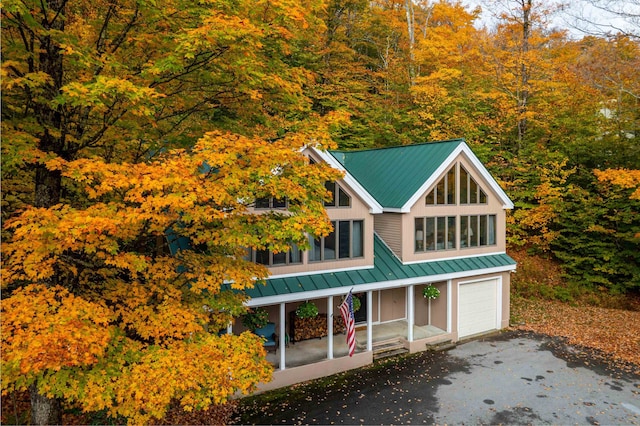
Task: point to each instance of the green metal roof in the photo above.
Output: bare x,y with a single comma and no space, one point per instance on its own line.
387,267
393,175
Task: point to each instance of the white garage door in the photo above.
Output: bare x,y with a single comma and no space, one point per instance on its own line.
477,307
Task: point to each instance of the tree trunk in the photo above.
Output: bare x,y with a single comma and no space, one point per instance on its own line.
412,38
48,183
44,410
523,95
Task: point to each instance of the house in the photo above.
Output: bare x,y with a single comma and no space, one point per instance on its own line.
404,217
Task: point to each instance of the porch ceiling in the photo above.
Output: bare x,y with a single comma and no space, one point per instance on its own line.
387,270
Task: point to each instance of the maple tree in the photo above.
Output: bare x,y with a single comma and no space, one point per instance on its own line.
126,314
623,178
450,95
140,125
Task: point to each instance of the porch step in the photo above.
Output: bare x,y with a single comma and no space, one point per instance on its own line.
441,345
388,349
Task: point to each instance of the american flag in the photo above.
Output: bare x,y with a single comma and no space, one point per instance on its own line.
349,322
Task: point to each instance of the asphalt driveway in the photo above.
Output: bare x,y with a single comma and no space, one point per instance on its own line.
511,378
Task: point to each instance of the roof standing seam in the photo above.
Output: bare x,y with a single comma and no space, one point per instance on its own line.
386,268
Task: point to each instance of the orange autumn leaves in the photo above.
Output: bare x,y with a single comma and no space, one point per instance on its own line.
624,178
614,332
49,328
50,333
132,328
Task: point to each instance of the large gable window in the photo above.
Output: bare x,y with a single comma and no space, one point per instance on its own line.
270,258
470,191
445,190
345,242
435,233
339,198
477,230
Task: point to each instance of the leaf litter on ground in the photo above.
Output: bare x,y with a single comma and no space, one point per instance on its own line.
612,335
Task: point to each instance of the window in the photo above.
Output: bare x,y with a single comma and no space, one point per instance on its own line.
445,190
338,194
269,258
477,231
345,242
435,233
271,203
470,191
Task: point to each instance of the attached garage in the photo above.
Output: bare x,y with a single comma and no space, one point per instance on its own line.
478,307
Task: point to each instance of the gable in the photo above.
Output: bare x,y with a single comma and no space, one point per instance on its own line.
397,177
460,184
348,183
393,175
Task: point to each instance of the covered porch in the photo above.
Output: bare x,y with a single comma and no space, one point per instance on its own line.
315,350
393,307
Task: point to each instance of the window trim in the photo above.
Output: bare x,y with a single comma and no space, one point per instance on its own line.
337,227
491,231
252,256
336,191
420,235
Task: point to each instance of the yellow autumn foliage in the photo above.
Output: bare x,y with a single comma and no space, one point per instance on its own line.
137,326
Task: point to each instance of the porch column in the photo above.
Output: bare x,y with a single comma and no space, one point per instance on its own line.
369,321
410,312
283,336
330,327
449,303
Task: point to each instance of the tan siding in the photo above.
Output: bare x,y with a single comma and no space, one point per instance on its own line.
393,304
389,227
439,307
419,209
358,211
438,317
421,310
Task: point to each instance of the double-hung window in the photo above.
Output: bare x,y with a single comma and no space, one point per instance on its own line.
271,203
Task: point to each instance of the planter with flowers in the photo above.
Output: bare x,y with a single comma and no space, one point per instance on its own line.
430,293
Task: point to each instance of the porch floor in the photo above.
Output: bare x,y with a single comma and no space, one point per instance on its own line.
315,350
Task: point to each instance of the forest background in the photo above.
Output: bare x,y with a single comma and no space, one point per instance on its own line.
123,119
